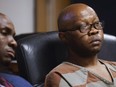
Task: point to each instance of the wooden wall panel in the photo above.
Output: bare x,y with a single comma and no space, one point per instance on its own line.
47,12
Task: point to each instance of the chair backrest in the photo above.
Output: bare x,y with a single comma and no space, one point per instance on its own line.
108,51
38,54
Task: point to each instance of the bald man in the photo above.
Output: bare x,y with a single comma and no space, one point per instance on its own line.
82,31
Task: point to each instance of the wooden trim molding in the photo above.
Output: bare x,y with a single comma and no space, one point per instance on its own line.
47,12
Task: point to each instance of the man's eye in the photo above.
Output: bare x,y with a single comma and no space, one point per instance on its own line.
97,23
83,27
4,32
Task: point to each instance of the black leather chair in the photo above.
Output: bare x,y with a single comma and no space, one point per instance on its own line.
37,54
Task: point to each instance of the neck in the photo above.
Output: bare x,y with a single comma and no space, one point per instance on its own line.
85,61
3,68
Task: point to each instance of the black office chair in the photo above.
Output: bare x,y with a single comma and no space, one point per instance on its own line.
39,53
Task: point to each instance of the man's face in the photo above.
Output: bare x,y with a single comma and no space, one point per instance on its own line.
85,41
7,42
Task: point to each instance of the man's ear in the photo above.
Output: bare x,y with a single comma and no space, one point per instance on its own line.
62,36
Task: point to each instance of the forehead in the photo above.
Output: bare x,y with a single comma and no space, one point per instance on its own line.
77,14
5,22
87,15
74,14
80,15
84,14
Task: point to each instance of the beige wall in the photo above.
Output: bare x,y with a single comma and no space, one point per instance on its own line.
21,12
47,12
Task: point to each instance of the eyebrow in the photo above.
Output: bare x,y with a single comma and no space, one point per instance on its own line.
9,30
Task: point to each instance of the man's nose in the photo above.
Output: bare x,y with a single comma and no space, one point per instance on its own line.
12,42
93,31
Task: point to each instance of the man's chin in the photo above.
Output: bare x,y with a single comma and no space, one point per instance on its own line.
96,51
6,61
92,52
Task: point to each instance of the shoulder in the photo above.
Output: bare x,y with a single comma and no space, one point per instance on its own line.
110,64
61,69
56,72
54,76
113,63
59,74
17,81
65,67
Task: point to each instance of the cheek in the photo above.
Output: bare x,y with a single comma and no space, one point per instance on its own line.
80,39
84,39
85,43
102,35
81,42
3,42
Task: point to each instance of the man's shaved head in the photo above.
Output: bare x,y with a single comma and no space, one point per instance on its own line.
71,13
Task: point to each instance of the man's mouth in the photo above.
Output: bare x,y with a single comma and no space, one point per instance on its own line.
11,53
96,41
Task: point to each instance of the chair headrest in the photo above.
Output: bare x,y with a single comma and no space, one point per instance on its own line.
108,50
38,54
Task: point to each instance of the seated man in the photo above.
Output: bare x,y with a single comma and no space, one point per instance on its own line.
82,31
7,52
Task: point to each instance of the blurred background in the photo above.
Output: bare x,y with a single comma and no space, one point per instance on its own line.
41,15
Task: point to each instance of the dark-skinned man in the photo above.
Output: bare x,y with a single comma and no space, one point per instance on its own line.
82,31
